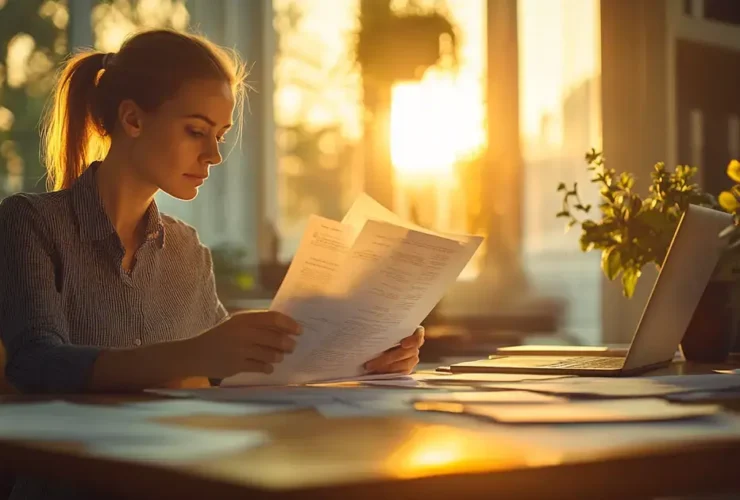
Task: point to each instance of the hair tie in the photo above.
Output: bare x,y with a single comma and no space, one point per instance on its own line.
108,59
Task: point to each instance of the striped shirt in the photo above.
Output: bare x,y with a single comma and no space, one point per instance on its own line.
64,295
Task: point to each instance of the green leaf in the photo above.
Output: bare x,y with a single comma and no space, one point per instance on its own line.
586,244
563,213
611,262
562,187
630,276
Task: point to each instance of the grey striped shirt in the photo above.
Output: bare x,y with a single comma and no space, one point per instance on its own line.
64,294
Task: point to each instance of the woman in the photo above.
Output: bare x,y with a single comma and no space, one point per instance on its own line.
99,291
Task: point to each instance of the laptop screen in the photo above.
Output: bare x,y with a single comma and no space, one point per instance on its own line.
689,264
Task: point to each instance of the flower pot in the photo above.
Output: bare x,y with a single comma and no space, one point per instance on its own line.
711,332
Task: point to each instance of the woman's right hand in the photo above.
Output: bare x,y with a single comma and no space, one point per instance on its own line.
244,342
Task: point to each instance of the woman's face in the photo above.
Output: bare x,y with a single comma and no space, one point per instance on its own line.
179,142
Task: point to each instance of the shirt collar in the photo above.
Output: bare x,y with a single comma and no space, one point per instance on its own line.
94,223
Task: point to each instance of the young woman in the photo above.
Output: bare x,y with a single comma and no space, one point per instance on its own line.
99,291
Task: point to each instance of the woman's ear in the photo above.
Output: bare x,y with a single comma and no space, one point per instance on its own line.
130,117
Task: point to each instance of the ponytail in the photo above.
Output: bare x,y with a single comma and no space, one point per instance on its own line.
70,135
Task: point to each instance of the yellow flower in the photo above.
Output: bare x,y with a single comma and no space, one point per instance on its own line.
733,170
245,281
728,201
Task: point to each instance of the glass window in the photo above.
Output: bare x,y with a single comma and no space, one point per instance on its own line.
114,20
560,119
319,117
438,129
32,44
318,113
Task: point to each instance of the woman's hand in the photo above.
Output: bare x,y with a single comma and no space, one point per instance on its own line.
399,359
244,342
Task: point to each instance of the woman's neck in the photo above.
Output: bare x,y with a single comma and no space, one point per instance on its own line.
125,197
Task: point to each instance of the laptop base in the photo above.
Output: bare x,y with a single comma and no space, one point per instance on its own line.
502,365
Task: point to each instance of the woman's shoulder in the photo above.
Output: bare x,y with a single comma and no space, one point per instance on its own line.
181,235
27,208
179,230
183,244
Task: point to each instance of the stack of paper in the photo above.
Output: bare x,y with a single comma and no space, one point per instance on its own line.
358,287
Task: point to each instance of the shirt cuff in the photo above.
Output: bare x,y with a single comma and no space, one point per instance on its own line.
63,369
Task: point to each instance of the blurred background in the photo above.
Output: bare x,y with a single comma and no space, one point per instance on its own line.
462,115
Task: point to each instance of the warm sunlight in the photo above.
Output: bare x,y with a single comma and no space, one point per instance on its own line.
434,124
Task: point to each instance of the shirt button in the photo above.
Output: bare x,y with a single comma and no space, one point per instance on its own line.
137,342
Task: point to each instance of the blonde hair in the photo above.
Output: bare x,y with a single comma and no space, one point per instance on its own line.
148,69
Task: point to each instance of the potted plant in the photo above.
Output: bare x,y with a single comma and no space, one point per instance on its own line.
634,232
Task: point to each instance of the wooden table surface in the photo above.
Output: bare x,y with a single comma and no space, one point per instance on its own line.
310,456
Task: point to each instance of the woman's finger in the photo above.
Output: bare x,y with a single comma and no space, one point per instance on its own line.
382,362
263,354
414,340
405,366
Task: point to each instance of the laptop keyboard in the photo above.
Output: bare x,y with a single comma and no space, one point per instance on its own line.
589,363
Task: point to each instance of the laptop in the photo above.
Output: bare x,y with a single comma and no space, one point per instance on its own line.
691,259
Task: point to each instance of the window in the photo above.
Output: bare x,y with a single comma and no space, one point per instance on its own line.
438,128
113,21
320,117
318,114
560,116
30,50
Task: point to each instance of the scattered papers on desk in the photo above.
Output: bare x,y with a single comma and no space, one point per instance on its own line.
626,387
478,378
123,432
587,441
617,410
358,287
605,387
190,407
705,382
490,397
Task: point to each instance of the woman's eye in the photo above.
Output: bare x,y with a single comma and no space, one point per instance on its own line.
195,133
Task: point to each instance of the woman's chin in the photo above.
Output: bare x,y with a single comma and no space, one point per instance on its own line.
184,193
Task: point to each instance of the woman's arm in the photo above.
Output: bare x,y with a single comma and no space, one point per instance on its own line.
169,364
41,357
33,327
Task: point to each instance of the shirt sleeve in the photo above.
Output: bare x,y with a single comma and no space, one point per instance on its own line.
33,326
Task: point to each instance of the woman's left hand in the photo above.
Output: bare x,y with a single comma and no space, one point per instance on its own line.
399,359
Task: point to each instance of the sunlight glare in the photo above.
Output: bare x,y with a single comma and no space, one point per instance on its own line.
434,124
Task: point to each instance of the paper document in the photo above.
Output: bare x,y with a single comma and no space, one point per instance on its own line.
480,378
620,410
490,397
358,288
627,387
587,440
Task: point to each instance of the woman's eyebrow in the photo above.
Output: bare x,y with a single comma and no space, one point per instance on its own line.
207,120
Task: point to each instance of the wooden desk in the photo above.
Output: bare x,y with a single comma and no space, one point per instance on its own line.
390,457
